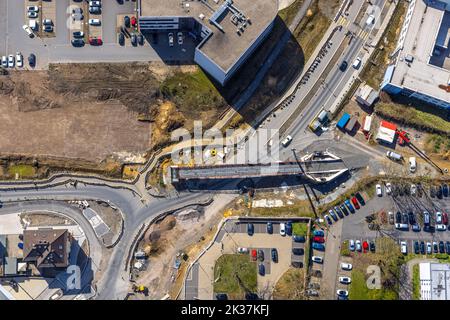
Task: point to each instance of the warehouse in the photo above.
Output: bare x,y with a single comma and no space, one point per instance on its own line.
422,66
228,31
434,281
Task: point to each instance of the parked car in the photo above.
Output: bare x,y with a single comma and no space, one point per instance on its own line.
133,40
95,10
299,251
372,246
318,246
391,217
19,60
254,255
242,250
398,217
405,218
360,198
333,215
339,212
126,21
318,239
441,247
289,228
140,39
345,280
299,238
439,192
426,218
250,229
416,247
328,219
11,61
94,22
95,41
365,246
32,14
133,21
78,34
121,39
355,202
447,247
422,247
180,38
429,248
349,206
444,218
346,266
378,190
435,247
261,269
438,217
412,218
344,209
282,229
357,63
358,246
416,227
4,61
343,66
170,35
388,188
432,191
441,227
260,255
342,293
318,233
32,60
403,247
445,190
221,296
317,259
351,245
48,28
269,227
413,190
286,141
274,254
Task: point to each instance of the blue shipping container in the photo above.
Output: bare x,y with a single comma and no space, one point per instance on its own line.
343,121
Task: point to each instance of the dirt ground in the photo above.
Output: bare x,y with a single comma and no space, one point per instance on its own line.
45,219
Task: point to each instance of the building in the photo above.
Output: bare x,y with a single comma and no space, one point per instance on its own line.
366,95
46,248
434,281
422,57
228,31
386,132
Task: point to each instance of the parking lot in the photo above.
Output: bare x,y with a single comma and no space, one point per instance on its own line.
233,235
56,47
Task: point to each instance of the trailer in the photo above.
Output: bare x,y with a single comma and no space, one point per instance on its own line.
343,121
351,124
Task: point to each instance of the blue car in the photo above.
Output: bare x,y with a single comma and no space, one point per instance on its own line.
269,227
261,270
250,229
344,209
327,217
333,215
339,212
318,233
289,228
318,246
349,206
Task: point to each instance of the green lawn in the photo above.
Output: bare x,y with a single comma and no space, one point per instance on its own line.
358,289
236,275
24,170
416,282
299,229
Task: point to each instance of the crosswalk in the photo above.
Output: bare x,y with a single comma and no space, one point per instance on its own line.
361,33
343,21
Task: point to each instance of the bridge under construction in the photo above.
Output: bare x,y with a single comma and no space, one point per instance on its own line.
319,167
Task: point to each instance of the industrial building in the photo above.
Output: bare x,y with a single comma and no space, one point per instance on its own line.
422,57
434,281
227,31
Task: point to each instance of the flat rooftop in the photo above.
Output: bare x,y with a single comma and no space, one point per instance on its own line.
225,46
420,40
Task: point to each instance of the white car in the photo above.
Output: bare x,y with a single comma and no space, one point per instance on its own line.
317,259
33,8
4,62
242,250
388,188
346,266
283,229
379,190
429,249
19,60
438,218
286,141
351,245
95,22
391,217
358,245
11,61
357,63
170,39
412,164
32,14
413,189
345,280
403,247
342,293
441,227
28,30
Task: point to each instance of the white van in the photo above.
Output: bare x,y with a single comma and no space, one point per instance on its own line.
286,141
394,156
357,63
370,20
412,164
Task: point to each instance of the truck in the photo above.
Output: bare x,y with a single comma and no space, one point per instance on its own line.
33,25
343,121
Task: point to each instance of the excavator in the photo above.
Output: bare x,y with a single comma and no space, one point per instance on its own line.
140,289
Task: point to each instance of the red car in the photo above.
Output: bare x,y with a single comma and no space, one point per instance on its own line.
319,239
365,246
95,41
444,218
254,255
355,203
133,21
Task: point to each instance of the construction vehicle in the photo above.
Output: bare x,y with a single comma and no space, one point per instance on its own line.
140,289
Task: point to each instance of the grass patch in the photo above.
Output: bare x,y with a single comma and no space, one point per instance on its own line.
345,251
290,285
373,71
192,92
311,29
413,117
236,275
23,170
300,229
303,209
416,282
